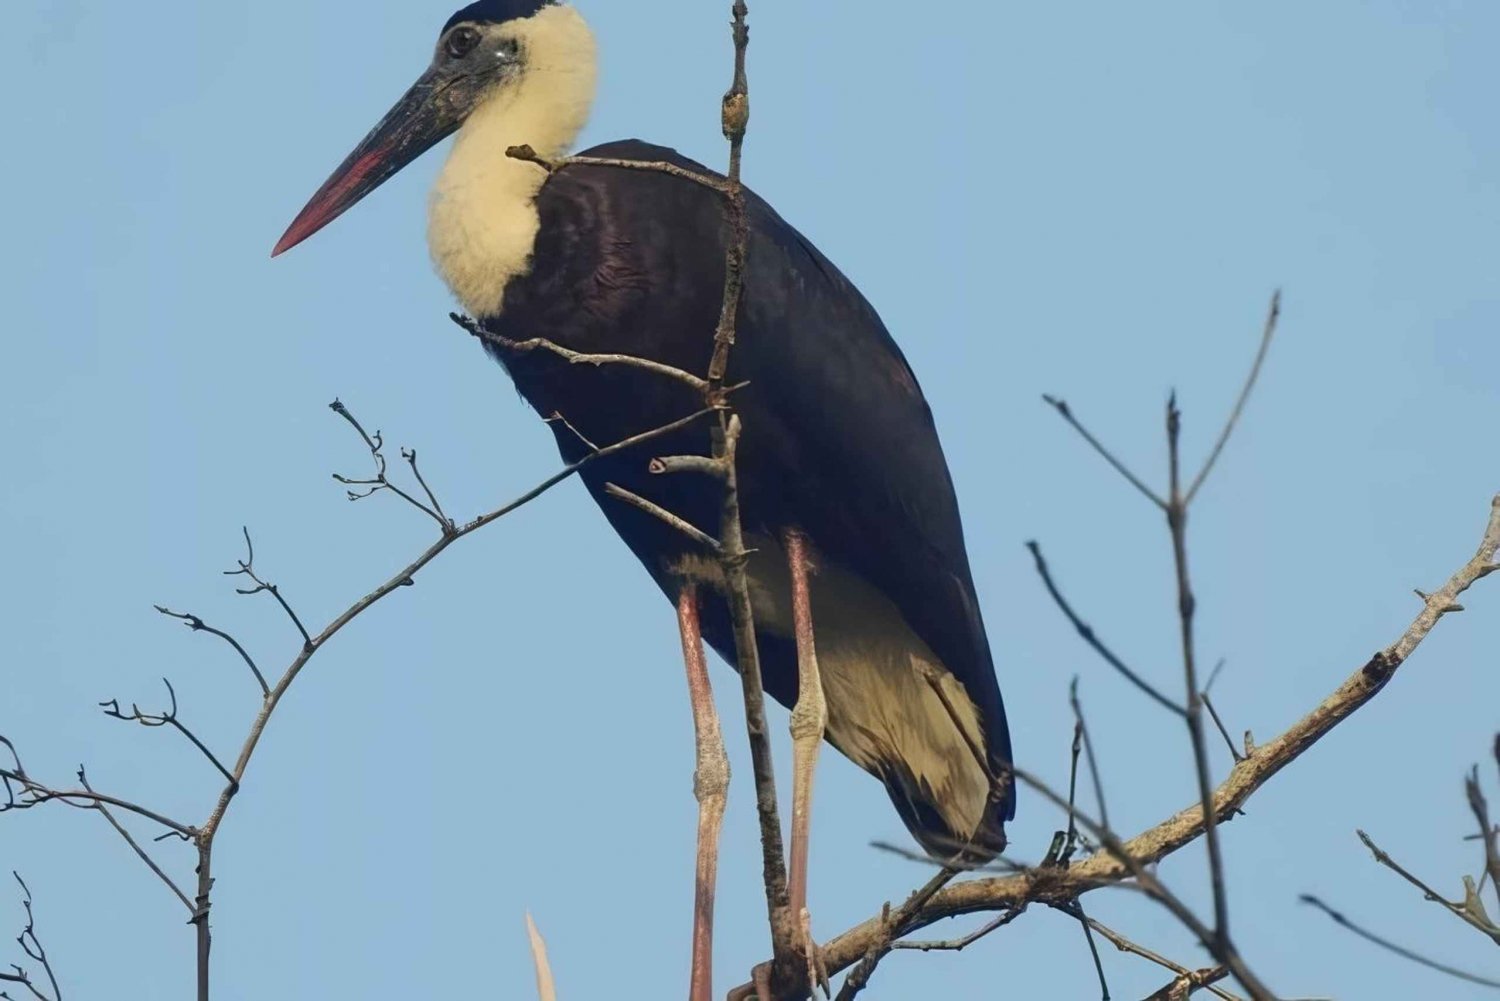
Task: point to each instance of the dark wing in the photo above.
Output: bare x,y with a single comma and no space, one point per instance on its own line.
868,478
839,438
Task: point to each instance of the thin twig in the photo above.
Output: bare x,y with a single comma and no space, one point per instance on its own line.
247,569
135,846
1136,949
36,794
1457,909
410,455
32,946
1088,752
1088,936
1219,723
197,625
1061,406
1400,950
894,925
1489,834
958,944
478,329
552,166
667,517
404,577
1268,332
381,481
1220,946
1086,631
1177,514
169,717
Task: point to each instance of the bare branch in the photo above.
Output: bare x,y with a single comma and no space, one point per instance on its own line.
657,511
1399,950
405,577
1086,631
1489,834
1088,749
1461,911
1061,406
893,926
381,481
1196,978
529,155
32,946
1268,332
197,625
958,944
1184,827
247,569
135,846
33,794
1177,512
169,717
1219,723
478,329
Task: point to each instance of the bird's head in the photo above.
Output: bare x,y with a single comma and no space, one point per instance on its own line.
483,52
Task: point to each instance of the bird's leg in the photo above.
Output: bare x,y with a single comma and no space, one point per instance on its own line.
710,788
809,721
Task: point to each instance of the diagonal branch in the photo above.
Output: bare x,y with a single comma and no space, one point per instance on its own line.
527,154
1197,979
247,569
1458,910
1066,412
166,718
478,329
1268,332
135,845
1087,633
1186,826
197,625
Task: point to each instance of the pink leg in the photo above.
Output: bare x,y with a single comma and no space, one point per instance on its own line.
809,721
710,788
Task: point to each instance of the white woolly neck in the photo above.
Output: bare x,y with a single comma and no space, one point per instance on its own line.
482,220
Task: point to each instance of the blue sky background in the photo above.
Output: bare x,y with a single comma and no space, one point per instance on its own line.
1078,198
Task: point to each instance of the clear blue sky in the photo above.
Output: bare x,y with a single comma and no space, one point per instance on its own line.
1086,199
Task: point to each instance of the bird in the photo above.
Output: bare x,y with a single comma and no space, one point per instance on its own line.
843,486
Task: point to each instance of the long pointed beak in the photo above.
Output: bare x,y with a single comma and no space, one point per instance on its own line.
419,121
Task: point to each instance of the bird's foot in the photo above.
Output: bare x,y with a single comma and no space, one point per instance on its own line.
817,970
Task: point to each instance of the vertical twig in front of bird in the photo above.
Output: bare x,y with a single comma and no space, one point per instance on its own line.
1177,513
735,117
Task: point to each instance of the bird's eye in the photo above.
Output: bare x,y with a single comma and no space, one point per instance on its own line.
461,42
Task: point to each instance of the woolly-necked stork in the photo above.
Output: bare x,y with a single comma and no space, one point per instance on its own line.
840,469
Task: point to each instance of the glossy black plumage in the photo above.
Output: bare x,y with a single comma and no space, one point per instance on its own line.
838,441
496,11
